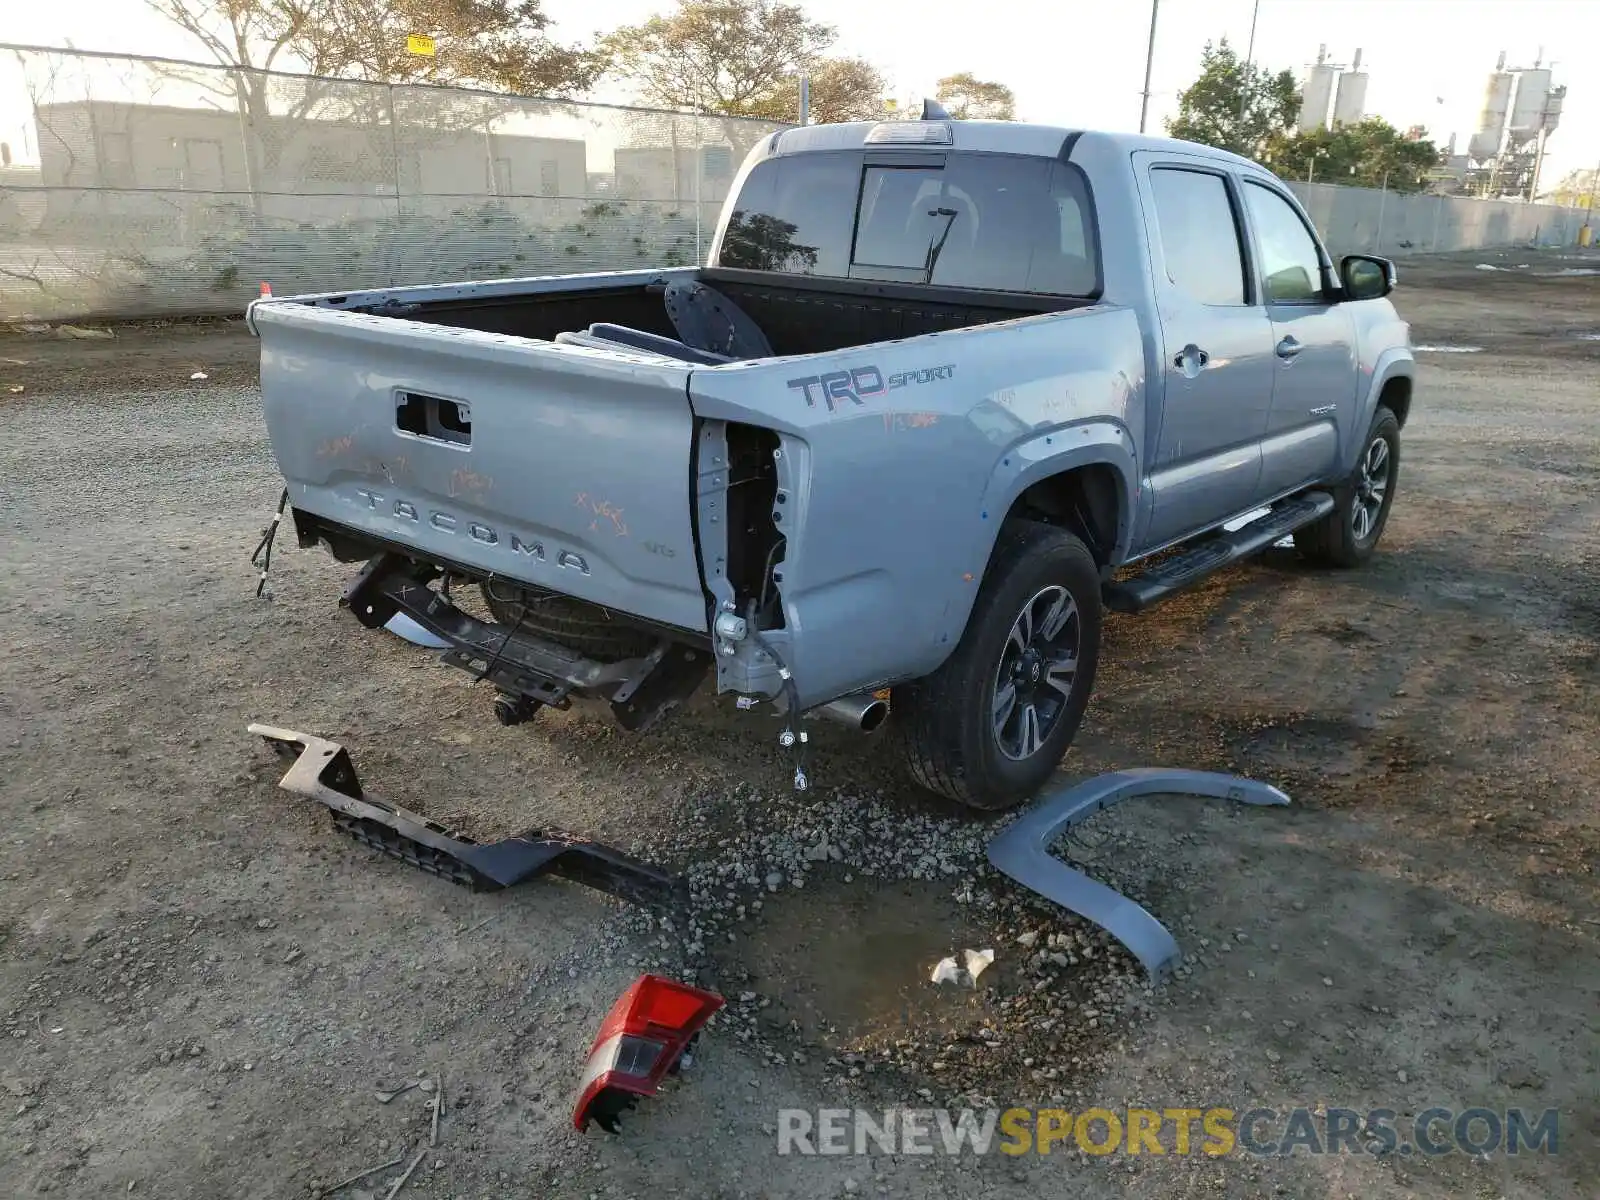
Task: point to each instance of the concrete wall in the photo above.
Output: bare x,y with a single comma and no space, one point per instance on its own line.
1368,221
144,209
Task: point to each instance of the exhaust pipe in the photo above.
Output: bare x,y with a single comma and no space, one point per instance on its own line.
863,711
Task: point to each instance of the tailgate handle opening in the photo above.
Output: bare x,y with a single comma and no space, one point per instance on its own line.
433,417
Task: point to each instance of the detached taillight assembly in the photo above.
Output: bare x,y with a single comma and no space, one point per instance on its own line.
642,1039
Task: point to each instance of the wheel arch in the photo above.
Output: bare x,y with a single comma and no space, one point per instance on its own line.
1391,381
1082,478
1395,395
1085,500
1051,477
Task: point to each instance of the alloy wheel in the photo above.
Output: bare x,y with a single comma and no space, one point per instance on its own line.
1037,668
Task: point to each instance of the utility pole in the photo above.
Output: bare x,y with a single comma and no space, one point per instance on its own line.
805,98
1594,185
1249,58
1149,62
1383,199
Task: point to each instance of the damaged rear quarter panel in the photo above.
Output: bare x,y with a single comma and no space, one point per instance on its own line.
900,460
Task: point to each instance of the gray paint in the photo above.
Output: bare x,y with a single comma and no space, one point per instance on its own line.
892,505
562,516
1022,851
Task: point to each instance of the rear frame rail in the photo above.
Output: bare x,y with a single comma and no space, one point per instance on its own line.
641,690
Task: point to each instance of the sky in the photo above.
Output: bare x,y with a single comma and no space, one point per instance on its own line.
1081,64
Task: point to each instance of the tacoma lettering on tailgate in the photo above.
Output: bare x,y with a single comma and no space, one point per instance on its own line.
477,531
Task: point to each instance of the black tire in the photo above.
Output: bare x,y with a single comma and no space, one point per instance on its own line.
949,725
576,624
1337,540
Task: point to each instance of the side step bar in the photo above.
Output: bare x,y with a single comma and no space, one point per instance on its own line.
1174,574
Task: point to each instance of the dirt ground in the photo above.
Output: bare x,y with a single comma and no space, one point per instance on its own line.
202,985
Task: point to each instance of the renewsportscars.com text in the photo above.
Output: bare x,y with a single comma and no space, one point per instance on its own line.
1213,1131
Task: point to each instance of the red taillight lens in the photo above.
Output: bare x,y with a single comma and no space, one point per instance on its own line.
640,1039
657,1003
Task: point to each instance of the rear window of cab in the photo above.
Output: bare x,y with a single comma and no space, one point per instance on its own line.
989,222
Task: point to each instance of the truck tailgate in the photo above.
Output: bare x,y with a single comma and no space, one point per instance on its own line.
555,465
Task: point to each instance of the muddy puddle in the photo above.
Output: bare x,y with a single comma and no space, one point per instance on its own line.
847,965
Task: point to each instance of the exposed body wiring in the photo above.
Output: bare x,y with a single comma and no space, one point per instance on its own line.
792,735
262,557
511,631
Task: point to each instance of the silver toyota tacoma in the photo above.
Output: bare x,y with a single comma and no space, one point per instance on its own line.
943,393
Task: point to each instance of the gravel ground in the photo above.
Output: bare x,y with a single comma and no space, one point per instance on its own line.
203,985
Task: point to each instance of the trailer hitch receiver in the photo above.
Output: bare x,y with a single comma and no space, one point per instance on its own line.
323,771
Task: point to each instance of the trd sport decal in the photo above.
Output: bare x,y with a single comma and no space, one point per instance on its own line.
856,386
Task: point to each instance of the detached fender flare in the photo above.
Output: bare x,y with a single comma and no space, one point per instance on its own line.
1095,443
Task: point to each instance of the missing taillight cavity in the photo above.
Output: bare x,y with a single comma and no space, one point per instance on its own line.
433,417
755,523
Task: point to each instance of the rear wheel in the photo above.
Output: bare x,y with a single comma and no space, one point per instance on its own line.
1348,535
587,628
989,727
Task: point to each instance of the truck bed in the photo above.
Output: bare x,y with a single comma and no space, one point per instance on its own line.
449,425
799,316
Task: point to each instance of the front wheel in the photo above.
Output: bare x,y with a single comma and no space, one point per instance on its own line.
1348,535
989,727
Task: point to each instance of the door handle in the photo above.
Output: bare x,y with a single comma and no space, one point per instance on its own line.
1191,354
1289,347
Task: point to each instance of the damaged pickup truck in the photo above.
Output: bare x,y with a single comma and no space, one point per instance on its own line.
941,391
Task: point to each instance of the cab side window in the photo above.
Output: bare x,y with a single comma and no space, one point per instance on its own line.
1290,268
1199,236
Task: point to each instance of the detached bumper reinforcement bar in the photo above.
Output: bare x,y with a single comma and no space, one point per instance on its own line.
323,771
1022,851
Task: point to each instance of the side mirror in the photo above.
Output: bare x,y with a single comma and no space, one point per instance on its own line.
1366,276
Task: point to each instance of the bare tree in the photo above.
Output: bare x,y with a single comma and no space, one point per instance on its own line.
496,44
493,44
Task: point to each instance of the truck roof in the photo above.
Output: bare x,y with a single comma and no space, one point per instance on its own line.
992,137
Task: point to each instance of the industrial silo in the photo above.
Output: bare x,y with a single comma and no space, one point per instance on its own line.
1527,109
1316,93
1350,97
1492,121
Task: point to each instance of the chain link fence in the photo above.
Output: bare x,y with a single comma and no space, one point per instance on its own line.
1370,221
137,187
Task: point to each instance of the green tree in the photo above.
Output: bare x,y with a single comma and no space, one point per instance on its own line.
968,98
1370,153
743,58
1234,105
